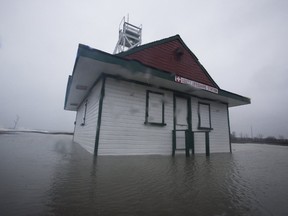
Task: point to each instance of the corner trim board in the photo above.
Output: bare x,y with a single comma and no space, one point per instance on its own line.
90,90
102,94
174,126
229,129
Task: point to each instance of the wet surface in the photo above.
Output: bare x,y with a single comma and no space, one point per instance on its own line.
49,175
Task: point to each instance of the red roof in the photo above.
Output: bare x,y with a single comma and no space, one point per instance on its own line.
173,56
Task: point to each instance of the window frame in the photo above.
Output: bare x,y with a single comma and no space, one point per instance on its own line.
147,122
199,117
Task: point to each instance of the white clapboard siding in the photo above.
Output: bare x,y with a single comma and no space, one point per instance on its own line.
180,140
219,136
204,115
85,135
155,107
123,131
199,143
181,113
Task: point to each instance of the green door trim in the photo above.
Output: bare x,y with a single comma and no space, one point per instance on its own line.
189,137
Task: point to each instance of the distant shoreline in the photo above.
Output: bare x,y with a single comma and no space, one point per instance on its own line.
270,140
266,143
35,131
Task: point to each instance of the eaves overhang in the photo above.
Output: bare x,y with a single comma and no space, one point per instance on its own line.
91,64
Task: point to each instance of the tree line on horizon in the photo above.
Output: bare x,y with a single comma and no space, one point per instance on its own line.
281,140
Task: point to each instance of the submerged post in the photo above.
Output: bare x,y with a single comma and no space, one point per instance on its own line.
207,142
187,143
192,143
173,142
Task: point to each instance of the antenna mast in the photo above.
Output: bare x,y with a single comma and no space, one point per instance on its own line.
130,36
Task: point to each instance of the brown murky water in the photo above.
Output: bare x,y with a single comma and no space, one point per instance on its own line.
49,175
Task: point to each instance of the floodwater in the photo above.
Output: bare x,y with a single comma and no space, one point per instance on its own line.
44,174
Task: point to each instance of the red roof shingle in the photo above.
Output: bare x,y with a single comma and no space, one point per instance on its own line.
173,56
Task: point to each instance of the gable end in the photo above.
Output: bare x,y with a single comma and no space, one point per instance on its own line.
173,56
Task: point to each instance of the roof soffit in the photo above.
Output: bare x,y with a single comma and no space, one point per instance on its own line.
92,63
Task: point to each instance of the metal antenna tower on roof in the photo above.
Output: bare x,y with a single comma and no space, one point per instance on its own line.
130,36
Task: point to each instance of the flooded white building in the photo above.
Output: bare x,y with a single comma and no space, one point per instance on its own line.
155,98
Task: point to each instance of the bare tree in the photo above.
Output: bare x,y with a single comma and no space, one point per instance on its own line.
260,136
16,121
234,134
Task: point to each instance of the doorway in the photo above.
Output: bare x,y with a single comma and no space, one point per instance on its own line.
182,124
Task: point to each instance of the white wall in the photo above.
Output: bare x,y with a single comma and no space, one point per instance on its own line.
219,136
85,135
122,128
123,131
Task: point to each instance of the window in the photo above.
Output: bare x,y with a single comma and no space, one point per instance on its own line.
84,114
181,113
154,114
204,116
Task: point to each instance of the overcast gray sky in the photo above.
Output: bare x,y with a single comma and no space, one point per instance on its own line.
242,44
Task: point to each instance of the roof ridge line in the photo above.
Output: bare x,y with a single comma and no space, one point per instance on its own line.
148,45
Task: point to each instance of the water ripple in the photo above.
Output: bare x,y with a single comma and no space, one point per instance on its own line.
53,176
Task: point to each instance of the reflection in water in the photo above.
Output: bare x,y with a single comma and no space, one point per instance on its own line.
156,185
79,184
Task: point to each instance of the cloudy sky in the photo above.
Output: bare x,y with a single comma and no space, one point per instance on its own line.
243,44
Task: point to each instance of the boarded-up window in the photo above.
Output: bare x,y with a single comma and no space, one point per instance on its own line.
204,116
154,108
181,111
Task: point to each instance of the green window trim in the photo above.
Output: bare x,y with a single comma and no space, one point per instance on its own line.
200,118
155,124
147,120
